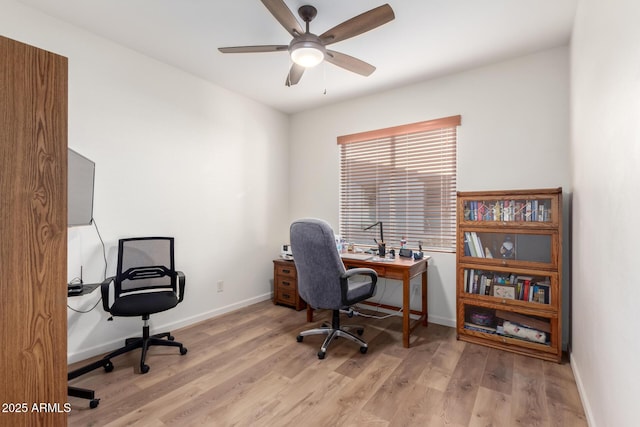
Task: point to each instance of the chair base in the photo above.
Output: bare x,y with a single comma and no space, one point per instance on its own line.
333,331
143,342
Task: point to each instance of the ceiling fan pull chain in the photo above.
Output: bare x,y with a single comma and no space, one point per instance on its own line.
324,77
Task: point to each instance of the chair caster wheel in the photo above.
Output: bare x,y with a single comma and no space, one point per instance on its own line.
144,369
321,355
363,350
171,338
93,403
360,331
299,338
183,350
108,367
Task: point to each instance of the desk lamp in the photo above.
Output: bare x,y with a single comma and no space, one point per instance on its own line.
381,245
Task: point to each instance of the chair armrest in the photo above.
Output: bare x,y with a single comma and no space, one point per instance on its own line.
104,290
361,271
344,281
181,281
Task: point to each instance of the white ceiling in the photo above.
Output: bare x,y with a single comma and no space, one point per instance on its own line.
428,38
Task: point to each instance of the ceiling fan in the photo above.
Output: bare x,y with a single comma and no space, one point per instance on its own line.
307,49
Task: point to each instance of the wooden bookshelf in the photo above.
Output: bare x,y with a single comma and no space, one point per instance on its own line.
509,270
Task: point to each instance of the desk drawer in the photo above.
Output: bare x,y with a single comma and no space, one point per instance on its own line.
286,283
286,296
381,271
285,270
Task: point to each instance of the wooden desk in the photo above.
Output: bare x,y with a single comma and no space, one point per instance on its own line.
403,269
74,391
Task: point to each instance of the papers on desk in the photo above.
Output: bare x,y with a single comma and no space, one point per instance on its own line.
358,256
379,259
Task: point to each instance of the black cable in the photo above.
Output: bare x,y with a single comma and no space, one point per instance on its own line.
78,280
104,252
87,311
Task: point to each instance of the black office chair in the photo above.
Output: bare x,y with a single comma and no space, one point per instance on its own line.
146,282
323,281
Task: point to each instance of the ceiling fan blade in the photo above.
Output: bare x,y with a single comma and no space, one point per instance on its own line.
358,24
349,63
285,17
295,73
252,49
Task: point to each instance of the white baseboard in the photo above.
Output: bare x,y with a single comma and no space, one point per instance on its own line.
117,343
444,321
575,367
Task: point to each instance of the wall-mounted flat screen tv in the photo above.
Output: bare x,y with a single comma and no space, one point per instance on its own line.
80,189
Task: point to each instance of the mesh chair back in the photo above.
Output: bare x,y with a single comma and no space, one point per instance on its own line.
145,264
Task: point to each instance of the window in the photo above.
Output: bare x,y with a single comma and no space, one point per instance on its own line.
404,177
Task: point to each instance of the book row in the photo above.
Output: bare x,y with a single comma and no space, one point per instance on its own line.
508,210
473,247
508,286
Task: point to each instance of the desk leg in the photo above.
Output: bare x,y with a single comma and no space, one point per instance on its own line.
406,310
84,393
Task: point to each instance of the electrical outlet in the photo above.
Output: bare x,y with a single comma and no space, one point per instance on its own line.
220,286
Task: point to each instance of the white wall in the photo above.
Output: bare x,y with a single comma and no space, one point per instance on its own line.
174,156
225,161
605,148
514,134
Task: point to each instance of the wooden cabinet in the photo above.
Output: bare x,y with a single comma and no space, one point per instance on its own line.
509,270
33,247
285,284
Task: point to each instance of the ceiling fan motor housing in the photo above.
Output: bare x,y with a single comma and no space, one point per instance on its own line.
307,41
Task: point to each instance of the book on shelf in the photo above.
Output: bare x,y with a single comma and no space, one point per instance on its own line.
477,244
480,328
467,244
475,286
465,279
523,283
468,241
488,290
541,293
481,211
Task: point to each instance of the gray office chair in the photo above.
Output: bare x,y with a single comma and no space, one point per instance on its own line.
324,283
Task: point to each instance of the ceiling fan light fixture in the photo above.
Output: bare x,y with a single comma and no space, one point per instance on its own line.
307,56
307,53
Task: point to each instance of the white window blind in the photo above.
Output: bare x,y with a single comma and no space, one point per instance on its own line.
404,177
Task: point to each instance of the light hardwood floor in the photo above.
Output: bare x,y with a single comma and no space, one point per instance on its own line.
246,369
